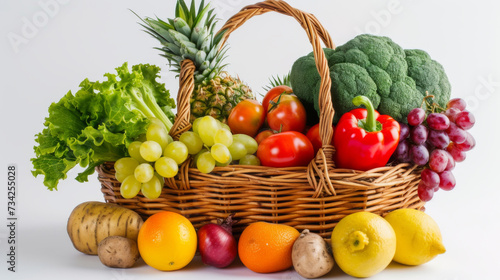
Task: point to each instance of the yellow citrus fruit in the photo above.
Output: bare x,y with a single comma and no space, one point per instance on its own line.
363,244
167,241
418,236
265,247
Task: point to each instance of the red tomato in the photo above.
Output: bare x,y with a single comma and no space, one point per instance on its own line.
272,93
286,114
246,117
285,149
313,135
263,135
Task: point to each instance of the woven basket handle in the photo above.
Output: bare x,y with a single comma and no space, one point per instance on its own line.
315,32
319,168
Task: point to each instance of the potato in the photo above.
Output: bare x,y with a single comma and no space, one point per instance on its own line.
118,251
311,256
91,222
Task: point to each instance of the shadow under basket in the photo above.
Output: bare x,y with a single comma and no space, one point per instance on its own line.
315,197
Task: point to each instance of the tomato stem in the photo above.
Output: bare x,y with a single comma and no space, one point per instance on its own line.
275,104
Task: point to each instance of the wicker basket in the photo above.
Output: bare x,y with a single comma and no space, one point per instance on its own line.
314,197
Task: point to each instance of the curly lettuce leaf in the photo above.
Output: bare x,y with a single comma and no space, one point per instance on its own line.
98,122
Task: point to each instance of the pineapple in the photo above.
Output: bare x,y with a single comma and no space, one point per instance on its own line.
191,36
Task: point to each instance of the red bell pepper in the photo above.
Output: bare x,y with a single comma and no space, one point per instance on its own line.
363,138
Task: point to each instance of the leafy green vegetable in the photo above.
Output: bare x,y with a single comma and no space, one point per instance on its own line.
97,123
395,80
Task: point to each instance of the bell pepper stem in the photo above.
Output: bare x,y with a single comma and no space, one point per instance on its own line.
370,123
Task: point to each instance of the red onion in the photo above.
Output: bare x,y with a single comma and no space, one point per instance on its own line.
216,243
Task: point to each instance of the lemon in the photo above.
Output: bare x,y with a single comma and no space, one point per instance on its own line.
418,236
363,244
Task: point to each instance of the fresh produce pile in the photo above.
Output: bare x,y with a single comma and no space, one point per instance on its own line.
391,106
362,244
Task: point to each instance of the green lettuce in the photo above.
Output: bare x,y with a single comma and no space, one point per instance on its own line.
99,121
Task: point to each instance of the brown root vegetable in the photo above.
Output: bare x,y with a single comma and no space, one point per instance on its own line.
91,222
118,251
311,256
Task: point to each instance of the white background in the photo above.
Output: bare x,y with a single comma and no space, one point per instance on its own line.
47,48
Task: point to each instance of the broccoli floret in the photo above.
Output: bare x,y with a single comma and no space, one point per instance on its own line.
395,80
429,76
348,81
403,97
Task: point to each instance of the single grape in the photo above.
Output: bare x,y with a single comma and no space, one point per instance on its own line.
438,121
134,151
192,141
418,134
237,150
457,154
161,178
130,187
465,120
223,125
150,150
224,137
152,188
438,160
207,127
402,152
419,154
120,177
425,194
144,172
456,134
196,124
452,113
177,151
170,139
126,166
404,131
205,162
438,139
451,162
158,122
250,143
166,167
195,157
416,116
430,178
157,133
222,164
220,153
468,144
249,160
457,103
447,181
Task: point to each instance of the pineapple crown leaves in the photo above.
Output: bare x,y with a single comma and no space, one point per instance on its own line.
190,35
275,81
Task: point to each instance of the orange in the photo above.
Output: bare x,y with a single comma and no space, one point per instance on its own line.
167,241
265,247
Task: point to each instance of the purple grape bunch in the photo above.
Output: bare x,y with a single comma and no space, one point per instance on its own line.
437,141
